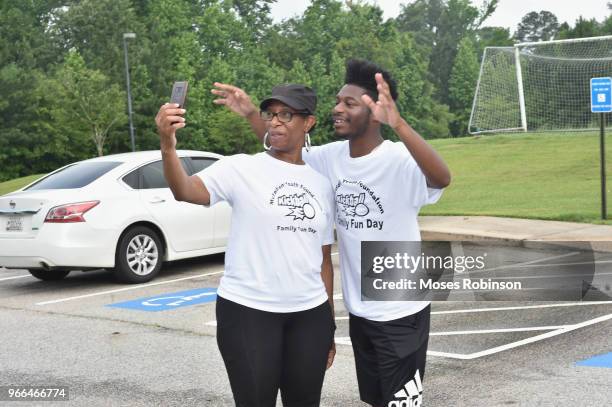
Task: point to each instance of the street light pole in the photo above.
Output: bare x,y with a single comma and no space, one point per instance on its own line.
129,92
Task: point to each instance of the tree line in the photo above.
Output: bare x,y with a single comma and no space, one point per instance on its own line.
62,73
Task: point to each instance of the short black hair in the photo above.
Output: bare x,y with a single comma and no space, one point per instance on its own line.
361,73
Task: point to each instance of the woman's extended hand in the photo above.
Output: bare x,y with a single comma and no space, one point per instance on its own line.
234,98
168,120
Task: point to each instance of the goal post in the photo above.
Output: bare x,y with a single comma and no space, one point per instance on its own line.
541,86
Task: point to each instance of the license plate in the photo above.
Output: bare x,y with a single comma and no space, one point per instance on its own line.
14,224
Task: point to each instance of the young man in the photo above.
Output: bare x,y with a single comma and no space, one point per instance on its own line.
379,188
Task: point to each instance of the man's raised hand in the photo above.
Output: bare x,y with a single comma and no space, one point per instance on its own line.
385,109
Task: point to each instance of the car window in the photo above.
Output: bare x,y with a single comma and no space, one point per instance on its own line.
75,176
152,175
132,178
199,163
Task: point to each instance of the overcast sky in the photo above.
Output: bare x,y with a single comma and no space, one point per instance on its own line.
508,13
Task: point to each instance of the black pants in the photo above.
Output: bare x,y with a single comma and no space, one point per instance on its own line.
267,351
390,358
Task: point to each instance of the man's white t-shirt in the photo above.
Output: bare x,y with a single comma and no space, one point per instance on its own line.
282,214
378,197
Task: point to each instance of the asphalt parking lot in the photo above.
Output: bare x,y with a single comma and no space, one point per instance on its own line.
154,345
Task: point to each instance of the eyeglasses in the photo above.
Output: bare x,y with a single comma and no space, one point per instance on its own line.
284,116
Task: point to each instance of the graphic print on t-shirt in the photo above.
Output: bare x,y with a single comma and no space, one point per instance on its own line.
352,204
298,203
358,206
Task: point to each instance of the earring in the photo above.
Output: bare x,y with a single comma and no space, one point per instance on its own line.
265,145
307,141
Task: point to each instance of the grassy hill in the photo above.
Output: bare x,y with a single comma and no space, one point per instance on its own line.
540,176
14,184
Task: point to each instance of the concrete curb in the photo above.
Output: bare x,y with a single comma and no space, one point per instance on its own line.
516,232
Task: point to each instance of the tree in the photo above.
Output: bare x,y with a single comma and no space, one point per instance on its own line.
606,26
26,54
534,26
56,54
457,20
24,38
255,14
438,26
462,85
95,29
492,37
86,97
22,125
421,18
583,28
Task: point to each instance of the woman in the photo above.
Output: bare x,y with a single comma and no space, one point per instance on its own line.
274,307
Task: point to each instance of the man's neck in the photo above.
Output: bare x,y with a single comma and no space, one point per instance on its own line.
364,144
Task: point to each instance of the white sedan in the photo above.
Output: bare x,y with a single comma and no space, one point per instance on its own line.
109,212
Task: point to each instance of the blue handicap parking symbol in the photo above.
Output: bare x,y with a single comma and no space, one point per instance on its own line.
164,302
604,360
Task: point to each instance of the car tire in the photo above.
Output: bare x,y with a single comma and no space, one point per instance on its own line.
50,275
139,256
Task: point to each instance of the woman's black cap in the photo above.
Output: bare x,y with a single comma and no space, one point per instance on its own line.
298,97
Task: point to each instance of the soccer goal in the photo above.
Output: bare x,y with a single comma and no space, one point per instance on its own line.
540,86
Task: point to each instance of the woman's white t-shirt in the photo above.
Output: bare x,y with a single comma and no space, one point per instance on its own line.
282,214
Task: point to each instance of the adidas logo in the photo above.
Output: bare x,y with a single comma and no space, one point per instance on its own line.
411,395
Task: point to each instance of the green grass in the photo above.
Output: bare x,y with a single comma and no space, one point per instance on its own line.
14,184
539,176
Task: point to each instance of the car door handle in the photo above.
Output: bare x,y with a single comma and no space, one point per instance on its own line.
157,200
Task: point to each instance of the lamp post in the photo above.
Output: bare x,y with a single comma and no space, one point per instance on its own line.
129,92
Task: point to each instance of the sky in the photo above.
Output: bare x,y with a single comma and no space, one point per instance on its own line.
508,13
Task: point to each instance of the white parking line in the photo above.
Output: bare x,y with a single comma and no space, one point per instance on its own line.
336,296
445,354
536,338
573,304
581,263
496,331
345,340
524,263
14,277
466,311
545,276
135,287
553,330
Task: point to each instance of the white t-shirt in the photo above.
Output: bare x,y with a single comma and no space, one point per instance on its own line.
282,214
378,197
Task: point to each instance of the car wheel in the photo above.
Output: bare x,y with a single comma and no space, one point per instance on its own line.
49,275
139,256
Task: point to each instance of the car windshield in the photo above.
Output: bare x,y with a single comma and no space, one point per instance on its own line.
75,176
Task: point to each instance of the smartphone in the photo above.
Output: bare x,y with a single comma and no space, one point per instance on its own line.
179,93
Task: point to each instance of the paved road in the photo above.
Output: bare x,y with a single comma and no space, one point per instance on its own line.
481,353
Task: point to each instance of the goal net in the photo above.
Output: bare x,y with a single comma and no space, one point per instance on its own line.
542,86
